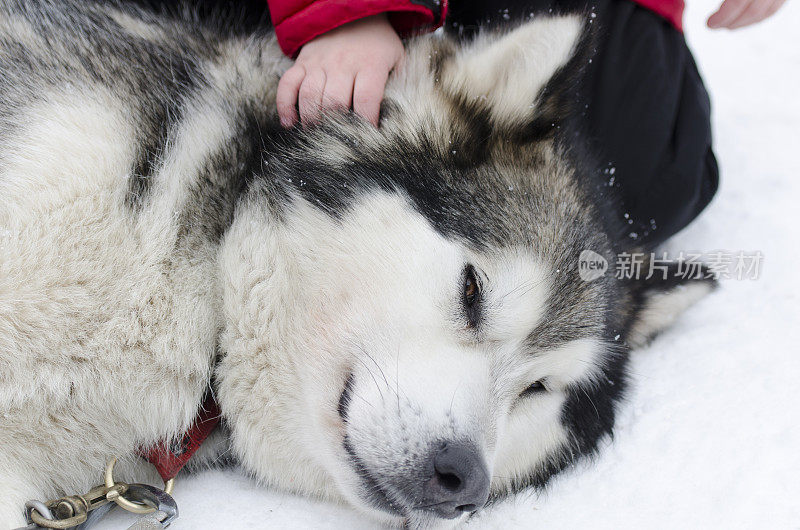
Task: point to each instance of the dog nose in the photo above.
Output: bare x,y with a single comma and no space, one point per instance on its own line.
460,482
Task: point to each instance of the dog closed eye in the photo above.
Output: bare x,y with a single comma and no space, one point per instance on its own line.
535,388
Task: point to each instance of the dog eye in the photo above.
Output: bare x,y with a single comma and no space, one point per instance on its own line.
471,288
471,297
535,388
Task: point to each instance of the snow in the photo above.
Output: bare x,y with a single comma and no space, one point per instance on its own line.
710,434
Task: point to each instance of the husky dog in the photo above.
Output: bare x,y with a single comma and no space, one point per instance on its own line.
390,317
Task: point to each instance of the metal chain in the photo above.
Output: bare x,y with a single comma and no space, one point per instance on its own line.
81,511
166,510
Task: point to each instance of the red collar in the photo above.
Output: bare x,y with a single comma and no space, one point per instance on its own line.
170,457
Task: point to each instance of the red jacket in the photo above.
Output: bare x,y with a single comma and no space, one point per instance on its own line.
298,21
672,10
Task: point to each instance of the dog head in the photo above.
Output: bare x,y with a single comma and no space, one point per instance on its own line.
405,324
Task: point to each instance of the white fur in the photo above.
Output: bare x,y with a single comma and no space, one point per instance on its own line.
137,27
661,309
46,162
93,334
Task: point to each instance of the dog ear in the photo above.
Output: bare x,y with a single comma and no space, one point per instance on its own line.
659,300
510,76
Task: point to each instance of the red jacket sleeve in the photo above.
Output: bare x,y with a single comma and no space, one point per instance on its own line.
298,21
672,10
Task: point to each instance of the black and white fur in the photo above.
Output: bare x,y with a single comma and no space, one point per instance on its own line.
160,234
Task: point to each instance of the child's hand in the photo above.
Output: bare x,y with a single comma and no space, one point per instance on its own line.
734,14
347,66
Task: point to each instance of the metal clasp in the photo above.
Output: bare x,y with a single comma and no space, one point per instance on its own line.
84,510
73,510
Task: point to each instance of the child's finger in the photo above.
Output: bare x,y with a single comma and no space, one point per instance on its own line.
368,93
727,12
286,98
776,4
756,11
310,96
338,91
766,8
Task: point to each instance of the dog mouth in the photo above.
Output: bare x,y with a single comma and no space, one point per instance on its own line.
375,494
372,489
446,480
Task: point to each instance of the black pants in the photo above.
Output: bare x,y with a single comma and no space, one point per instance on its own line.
647,110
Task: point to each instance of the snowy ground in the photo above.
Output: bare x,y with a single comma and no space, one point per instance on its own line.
710,437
